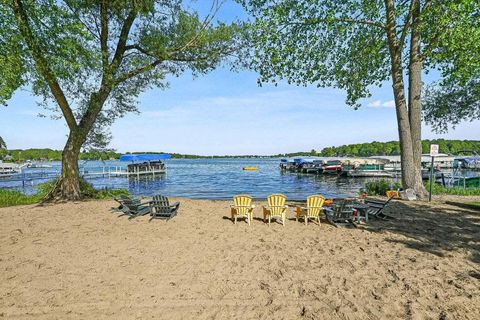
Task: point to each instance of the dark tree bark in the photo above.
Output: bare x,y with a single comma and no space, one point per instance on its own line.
414,95
411,170
415,83
68,185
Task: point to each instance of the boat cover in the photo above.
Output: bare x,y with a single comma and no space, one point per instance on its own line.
145,157
470,160
303,160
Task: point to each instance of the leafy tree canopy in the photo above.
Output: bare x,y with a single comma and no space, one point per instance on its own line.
344,44
84,46
456,97
449,103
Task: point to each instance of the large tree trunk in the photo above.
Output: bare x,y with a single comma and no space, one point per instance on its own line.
411,172
68,185
414,97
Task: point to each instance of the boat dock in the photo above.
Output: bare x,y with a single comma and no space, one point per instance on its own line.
24,177
448,170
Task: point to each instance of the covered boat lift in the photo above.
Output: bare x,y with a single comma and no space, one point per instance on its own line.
145,164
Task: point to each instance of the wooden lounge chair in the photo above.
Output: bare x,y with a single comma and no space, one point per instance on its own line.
128,200
135,209
312,210
160,208
242,207
376,207
276,208
340,213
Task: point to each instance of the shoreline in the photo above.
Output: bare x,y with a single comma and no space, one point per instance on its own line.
80,260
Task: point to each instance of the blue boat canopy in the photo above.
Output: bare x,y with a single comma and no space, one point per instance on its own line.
303,160
145,157
469,160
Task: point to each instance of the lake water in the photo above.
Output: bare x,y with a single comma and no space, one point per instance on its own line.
215,179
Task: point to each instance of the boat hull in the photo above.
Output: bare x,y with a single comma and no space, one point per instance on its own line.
366,173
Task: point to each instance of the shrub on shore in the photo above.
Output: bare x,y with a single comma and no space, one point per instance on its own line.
380,187
14,198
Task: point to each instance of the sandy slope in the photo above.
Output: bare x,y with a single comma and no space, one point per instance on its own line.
82,261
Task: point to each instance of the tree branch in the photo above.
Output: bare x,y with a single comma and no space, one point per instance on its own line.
122,40
92,32
391,27
104,34
41,63
406,25
140,49
208,19
137,71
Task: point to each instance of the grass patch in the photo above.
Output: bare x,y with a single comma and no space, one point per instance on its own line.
438,189
476,204
15,198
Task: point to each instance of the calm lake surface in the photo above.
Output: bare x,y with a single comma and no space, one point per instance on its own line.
212,179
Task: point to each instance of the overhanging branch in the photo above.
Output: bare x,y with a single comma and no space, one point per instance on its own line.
136,72
41,63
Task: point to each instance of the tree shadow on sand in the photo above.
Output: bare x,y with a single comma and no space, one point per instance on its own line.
437,229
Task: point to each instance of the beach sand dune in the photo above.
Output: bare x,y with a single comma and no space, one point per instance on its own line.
82,261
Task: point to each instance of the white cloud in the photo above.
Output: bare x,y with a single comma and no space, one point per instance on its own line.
389,104
380,104
375,104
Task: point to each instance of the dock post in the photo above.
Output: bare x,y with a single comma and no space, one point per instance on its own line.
431,180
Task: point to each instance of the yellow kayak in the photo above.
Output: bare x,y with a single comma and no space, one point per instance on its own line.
250,168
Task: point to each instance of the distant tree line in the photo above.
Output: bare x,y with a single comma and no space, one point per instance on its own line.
393,148
374,148
56,155
52,155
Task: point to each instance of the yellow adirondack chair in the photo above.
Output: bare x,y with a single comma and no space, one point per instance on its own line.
242,207
313,209
276,208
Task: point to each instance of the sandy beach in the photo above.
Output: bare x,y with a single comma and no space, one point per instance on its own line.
82,261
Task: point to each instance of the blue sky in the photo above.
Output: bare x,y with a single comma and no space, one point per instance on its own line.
227,113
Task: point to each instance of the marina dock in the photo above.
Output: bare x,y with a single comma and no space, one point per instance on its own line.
457,171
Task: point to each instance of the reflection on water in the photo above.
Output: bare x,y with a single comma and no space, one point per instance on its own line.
217,179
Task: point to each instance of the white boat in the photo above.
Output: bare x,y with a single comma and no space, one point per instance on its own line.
9,168
369,173
38,165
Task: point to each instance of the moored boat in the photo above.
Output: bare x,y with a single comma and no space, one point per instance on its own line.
287,165
311,166
145,164
332,167
10,168
369,170
467,163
